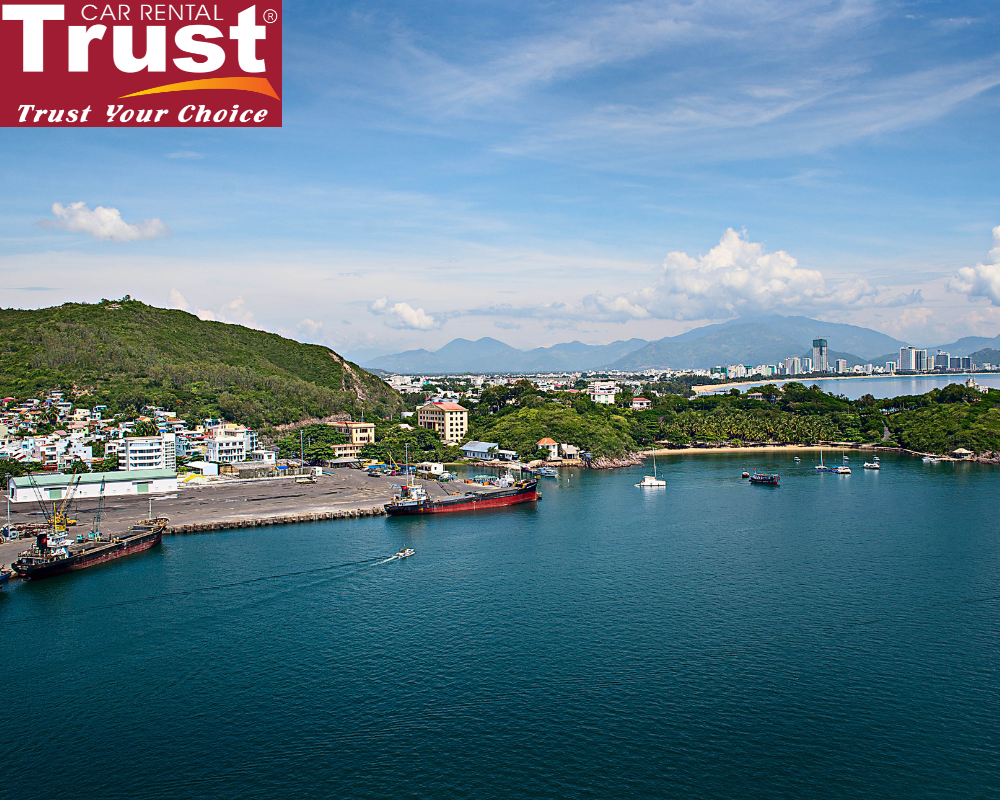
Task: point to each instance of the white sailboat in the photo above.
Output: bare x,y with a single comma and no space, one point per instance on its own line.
652,480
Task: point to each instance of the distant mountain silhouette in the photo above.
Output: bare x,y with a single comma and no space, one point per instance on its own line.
490,355
760,340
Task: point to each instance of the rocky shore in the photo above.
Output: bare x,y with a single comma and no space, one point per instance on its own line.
603,462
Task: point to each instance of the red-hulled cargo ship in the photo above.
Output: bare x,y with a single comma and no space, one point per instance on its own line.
412,498
53,553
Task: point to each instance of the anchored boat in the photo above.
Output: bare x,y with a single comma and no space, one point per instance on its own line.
53,553
413,498
765,479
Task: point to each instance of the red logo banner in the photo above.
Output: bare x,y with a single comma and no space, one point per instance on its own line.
140,65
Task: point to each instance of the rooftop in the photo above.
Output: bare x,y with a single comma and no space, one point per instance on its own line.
60,479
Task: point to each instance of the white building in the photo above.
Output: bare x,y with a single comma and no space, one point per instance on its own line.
227,447
604,398
145,452
29,489
841,365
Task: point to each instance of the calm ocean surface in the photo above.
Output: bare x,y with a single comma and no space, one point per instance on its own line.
837,636
890,386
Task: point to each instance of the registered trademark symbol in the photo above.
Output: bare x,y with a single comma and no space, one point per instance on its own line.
270,16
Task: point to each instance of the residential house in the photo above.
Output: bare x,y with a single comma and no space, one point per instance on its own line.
549,444
481,450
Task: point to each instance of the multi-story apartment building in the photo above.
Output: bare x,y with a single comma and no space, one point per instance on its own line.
144,452
907,360
821,355
357,432
450,420
228,447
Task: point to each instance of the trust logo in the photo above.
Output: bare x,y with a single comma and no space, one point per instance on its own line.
141,64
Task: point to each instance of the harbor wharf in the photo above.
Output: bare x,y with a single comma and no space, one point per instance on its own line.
345,494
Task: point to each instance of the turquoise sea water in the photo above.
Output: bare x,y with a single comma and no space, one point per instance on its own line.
836,636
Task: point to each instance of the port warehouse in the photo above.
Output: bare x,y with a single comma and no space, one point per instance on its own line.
56,487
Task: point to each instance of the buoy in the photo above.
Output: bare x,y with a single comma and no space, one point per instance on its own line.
746,474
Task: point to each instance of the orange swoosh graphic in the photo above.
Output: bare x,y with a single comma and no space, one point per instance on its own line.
259,85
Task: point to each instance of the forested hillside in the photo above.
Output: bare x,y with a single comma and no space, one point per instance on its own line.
126,354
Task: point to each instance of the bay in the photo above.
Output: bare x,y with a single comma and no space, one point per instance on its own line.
834,636
888,386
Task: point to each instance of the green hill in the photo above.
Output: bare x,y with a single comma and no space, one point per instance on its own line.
127,355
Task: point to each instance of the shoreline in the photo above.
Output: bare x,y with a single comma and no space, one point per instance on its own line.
761,448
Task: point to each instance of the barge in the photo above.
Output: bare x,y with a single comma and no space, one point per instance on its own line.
54,554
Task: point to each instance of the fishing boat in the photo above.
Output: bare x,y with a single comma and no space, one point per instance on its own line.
4,574
652,481
405,553
764,479
874,464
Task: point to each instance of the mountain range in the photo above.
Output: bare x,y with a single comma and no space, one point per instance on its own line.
757,340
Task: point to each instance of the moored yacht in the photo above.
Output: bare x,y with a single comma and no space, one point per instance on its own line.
652,481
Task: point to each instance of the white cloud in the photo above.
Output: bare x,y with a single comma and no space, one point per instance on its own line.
177,300
404,316
235,312
735,278
105,224
982,280
311,327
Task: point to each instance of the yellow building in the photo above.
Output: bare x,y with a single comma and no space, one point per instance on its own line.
450,420
357,432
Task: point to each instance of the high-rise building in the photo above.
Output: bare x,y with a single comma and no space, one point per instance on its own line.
940,360
890,366
921,364
841,365
907,361
821,356
793,366
807,366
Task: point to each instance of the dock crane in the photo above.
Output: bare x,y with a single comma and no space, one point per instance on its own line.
60,521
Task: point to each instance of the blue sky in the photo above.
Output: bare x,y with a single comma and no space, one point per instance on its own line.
551,171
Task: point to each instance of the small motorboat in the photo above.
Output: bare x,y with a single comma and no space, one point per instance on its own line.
842,470
405,553
547,472
874,464
4,574
796,459
745,474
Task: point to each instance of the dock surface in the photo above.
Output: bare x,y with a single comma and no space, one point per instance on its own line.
217,506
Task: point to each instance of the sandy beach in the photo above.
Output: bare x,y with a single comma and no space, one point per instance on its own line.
759,449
